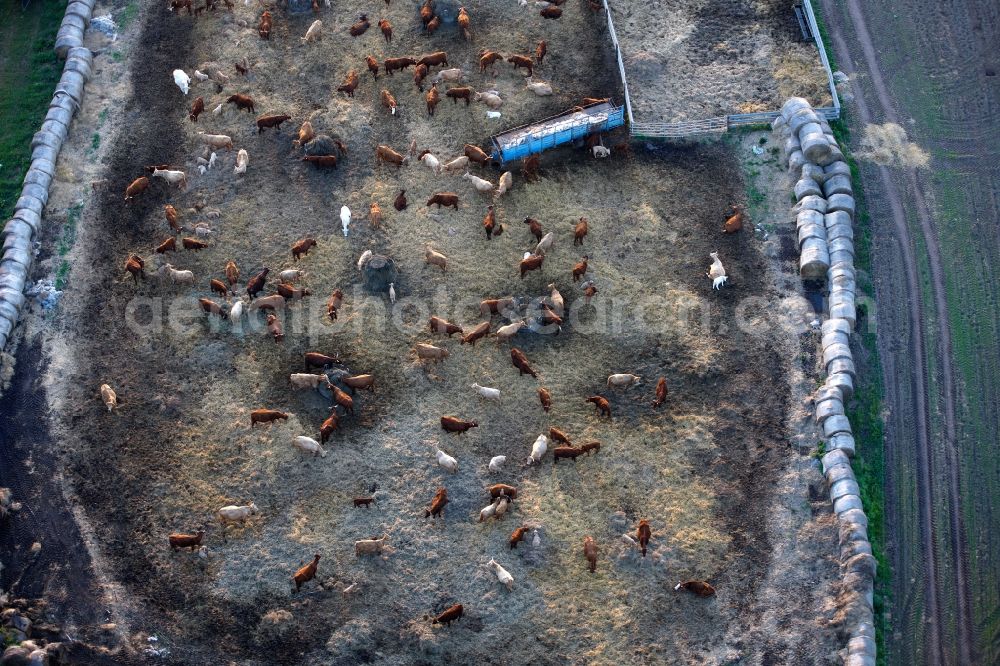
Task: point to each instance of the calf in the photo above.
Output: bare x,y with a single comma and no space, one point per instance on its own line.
389,102
271,121
419,74
425,351
318,360
169,245
580,269
661,392
399,203
489,223
266,416
520,361
341,398
591,446
369,546
192,541
522,61
434,257
517,536
349,84
193,244
219,287
363,501
559,436
734,222
580,231
443,199
210,307
333,303
494,306
360,382
274,328
530,167
643,534
545,398
601,404
551,12
197,107
534,227
290,293
531,263
699,587
326,429
456,425
565,452
476,154
302,247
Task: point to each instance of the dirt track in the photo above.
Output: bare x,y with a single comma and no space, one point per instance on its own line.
936,390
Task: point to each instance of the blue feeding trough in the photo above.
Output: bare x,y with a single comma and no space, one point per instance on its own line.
566,127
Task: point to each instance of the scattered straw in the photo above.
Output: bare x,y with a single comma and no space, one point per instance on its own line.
887,145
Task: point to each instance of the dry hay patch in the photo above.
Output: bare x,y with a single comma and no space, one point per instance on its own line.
887,145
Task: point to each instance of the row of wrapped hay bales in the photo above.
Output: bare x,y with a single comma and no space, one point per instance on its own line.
824,217
19,233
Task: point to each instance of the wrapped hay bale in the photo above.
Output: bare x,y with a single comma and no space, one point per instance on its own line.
801,118
854,516
844,487
815,147
810,170
378,273
837,184
842,365
795,161
844,202
846,503
835,425
793,104
815,203
837,168
808,217
832,459
810,231
829,407
814,259
805,187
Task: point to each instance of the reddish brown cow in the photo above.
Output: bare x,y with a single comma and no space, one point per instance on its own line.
487,59
434,59
419,74
601,404
437,504
545,398
661,392
274,328
292,293
399,203
232,272
734,222
219,287
522,61
360,382
302,247
457,425
192,541
699,587
306,573
388,155
580,231
520,361
386,29
551,12
489,223
580,269
193,244
333,303
255,285
558,435
565,452
456,94
392,64
264,26
242,102
360,27
589,547
439,325
271,121
502,490
169,245
534,227
432,98
318,360
197,107
137,187
530,167
433,25
171,214
591,446
342,399
494,306
476,154
349,84
450,615
443,199
517,536
540,50
372,66
643,534
329,425
532,263
266,416
480,331
321,161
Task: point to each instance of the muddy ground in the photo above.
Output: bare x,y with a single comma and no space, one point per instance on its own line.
728,497
691,60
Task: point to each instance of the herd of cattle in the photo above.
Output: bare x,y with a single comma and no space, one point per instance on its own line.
343,387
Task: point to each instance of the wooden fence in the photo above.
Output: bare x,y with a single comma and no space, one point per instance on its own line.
719,124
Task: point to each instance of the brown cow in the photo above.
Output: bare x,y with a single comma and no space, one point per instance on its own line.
242,102
386,29
419,74
580,269
255,285
570,452
589,291
264,27
232,272
489,223
517,536
433,59
520,361
266,416
399,203
291,293
480,331
530,167
437,504
734,222
534,227
580,231
432,98
306,573
219,287
318,360
545,398
522,61
193,244
540,50
197,107
341,398
457,425
661,392
137,187
390,156
502,490
392,64
274,328
439,325
699,587
492,306
450,615
321,161
192,541
360,26
433,25
333,303
375,215
329,425
426,12
302,247
456,94
551,12
464,23
601,404
241,68
389,102
271,121
558,435
643,534
349,84
532,263
372,66
443,199
476,154
587,101
306,134
589,547
169,245
360,382
591,446
487,59
363,501
171,214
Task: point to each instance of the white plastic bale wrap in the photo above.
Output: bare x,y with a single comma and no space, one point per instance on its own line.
810,170
836,351
855,516
778,124
835,325
55,128
837,185
846,503
835,425
83,67
833,337
841,297
28,202
800,118
46,139
37,191
63,100
30,218
46,165
795,161
38,177
81,9
844,202
833,458
811,231
827,408
844,487
814,258
45,153
808,217
815,147
806,187
793,104
790,146
74,20
815,203
808,129
838,168
842,442
69,36
846,311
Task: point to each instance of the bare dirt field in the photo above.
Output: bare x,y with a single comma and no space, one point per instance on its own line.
728,499
690,59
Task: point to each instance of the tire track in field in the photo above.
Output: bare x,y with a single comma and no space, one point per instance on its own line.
926,489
